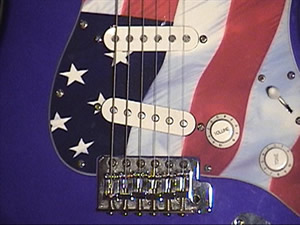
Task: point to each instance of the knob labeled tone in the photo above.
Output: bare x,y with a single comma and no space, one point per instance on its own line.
222,131
276,160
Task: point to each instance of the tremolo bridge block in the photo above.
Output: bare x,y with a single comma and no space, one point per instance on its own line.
152,185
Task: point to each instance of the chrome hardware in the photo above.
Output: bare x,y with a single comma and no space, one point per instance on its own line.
156,187
291,75
83,24
261,78
59,93
249,219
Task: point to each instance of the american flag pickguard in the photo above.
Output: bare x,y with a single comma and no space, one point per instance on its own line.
240,82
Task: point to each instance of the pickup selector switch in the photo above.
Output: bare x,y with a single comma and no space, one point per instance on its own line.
222,131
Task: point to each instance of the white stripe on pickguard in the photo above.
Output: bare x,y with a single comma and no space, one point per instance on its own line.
101,6
213,26
267,121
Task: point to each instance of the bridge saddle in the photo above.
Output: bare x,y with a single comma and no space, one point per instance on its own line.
140,185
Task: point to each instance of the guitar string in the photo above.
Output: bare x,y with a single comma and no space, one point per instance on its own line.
141,89
168,88
183,67
182,83
114,91
127,114
154,82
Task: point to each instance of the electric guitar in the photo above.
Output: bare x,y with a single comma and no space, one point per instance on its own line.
184,107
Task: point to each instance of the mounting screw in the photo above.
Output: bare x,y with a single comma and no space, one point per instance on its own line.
97,107
201,127
239,222
83,24
98,39
207,168
81,164
291,75
203,39
298,120
261,78
59,93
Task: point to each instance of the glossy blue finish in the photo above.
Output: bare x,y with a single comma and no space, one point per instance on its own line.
35,187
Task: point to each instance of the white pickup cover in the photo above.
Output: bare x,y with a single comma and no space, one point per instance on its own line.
149,117
151,38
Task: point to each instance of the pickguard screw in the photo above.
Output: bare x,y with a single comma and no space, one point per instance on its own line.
200,127
97,106
81,164
207,168
291,75
83,24
203,39
98,39
298,120
59,93
261,78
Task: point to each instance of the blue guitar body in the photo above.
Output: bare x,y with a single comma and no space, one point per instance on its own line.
41,179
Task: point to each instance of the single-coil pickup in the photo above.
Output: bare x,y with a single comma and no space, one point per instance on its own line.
151,38
148,117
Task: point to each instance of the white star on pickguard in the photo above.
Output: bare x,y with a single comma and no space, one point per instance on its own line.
74,75
59,123
121,57
99,101
81,148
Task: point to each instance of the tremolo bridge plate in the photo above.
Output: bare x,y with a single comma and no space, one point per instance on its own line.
152,185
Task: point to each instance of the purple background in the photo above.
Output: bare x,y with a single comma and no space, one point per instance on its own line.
35,186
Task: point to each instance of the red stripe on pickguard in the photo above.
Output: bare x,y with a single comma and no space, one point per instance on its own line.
287,188
163,10
227,81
